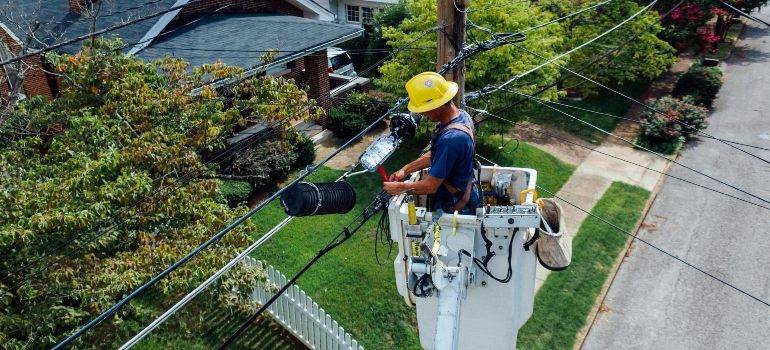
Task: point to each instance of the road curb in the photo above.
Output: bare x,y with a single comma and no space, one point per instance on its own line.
583,334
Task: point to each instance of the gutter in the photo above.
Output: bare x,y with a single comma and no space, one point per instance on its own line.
150,36
261,68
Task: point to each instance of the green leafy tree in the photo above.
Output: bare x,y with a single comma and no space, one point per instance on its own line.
490,67
119,131
645,57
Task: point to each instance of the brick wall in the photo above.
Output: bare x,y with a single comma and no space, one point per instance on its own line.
317,77
241,6
36,81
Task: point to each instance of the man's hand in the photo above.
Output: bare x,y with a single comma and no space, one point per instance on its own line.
393,188
398,176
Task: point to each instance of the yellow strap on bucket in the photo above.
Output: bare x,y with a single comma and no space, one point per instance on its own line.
454,225
525,192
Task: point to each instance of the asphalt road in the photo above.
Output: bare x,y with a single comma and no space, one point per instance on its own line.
656,302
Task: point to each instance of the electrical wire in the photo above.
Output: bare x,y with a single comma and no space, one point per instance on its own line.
136,203
465,54
646,242
476,94
620,159
380,203
561,19
638,121
518,76
648,150
744,14
656,247
648,107
97,33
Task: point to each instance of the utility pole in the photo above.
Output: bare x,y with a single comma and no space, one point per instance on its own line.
451,37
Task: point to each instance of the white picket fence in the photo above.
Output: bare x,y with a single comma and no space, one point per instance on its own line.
297,312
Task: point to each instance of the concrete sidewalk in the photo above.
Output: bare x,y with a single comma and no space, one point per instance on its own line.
595,175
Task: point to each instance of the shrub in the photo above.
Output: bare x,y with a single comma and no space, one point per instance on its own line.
367,105
665,134
304,152
346,124
258,165
233,191
702,83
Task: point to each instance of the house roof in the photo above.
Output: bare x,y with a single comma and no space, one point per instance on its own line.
240,39
59,24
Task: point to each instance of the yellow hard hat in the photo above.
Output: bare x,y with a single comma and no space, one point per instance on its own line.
428,91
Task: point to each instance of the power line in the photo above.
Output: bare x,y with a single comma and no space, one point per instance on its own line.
744,14
561,19
380,203
646,149
518,76
636,121
655,110
658,249
618,158
480,92
97,33
96,226
237,222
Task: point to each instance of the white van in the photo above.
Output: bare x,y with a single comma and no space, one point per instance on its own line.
339,62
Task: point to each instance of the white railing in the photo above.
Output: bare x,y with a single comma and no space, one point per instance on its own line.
297,312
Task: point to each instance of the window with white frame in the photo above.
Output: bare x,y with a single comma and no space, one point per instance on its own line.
11,70
354,14
368,14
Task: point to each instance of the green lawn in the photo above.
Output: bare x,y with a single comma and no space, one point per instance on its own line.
566,298
605,101
347,282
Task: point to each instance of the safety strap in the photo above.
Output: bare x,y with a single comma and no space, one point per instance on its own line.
463,197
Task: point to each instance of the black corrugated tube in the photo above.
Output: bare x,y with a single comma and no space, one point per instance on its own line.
306,199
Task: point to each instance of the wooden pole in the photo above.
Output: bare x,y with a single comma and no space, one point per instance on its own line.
451,37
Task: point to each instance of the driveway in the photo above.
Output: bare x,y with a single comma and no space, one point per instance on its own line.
656,302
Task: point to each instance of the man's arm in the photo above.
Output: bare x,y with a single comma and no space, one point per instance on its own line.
427,186
419,164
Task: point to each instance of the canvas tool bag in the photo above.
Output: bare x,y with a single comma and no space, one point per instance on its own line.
552,242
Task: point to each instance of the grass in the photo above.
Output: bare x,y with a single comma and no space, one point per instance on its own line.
605,102
566,298
347,282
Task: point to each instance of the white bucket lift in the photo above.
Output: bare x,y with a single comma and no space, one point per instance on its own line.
458,305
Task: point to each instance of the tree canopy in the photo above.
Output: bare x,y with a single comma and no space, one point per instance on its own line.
75,167
647,56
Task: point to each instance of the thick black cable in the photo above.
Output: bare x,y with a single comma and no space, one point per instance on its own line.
627,161
461,57
656,248
648,150
589,64
648,107
380,203
136,203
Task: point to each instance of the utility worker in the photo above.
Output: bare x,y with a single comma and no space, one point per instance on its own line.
451,158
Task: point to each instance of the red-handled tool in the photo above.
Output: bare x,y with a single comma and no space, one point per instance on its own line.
381,169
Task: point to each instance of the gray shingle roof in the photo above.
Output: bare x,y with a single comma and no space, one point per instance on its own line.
238,40
58,24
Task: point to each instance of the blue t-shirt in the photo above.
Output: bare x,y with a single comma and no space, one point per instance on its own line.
452,156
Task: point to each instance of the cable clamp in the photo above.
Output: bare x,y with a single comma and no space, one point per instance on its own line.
319,196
